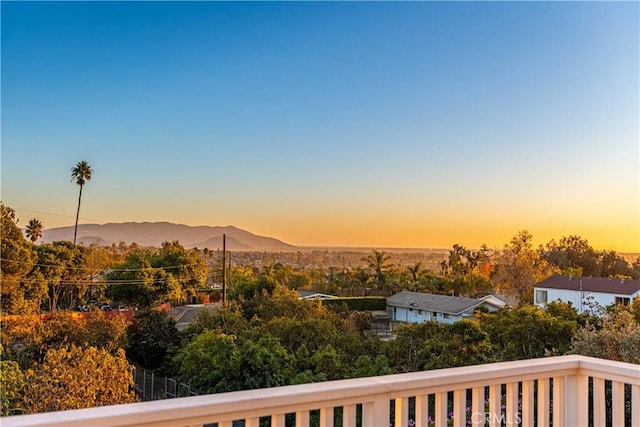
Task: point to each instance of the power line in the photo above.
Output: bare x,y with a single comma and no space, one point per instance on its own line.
55,214
108,269
110,282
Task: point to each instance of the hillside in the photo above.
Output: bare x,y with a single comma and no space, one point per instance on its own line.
154,233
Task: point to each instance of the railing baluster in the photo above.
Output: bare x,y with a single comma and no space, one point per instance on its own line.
459,406
422,410
511,413
576,400
348,415
302,419
368,413
544,401
441,409
495,405
558,401
599,406
376,413
617,403
477,406
635,405
278,420
402,411
528,400
326,417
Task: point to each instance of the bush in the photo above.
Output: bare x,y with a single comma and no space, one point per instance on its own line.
358,303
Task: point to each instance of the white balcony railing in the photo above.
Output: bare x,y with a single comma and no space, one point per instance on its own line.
511,393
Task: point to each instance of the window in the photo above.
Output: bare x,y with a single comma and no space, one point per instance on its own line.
541,297
445,315
623,301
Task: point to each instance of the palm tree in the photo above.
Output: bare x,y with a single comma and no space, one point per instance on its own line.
81,173
416,272
34,230
378,262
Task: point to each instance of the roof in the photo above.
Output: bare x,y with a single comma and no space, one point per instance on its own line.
314,295
592,284
497,300
432,302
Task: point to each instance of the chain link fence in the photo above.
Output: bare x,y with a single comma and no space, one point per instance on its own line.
149,386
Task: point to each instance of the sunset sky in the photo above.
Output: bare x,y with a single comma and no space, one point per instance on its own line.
413,124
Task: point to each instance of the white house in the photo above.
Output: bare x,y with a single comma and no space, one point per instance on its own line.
309,295
417,307
584,293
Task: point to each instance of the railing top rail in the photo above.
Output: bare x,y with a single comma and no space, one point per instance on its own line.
197,408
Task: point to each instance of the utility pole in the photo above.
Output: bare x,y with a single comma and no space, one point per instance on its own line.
224,269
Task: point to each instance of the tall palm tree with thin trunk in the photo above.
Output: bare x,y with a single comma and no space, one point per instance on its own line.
378,262
34,230
81,173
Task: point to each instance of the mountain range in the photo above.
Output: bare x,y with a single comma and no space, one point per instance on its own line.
155,233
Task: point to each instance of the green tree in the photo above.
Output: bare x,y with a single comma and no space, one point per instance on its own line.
153,339
12,380
74,378
206,362
34,230
433,345
617,339
366,366
526,332
572,255
18,258
228,320
186,266
61,267
613,265
148,277
81,173
262,363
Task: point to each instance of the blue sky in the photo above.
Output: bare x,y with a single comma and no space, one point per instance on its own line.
376,124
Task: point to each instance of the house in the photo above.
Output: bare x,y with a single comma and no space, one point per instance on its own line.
586,293
417,307
308,295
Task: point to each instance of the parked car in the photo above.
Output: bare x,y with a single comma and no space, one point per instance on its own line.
105,307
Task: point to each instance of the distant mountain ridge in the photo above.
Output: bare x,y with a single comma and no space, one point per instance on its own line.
155,233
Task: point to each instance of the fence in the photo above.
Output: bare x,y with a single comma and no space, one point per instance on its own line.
149,386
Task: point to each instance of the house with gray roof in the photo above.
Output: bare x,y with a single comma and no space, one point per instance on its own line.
417,307
586,294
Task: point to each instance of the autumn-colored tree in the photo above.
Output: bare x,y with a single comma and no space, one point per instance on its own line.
74,377
520,267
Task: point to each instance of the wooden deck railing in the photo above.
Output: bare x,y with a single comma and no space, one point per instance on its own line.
527,393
